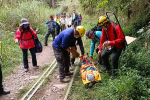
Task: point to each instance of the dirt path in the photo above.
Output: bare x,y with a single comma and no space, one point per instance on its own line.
20,79
53,90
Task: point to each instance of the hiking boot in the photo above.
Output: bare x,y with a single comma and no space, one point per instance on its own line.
73,64
103,68
114,74
70,68
45,44
98,62
64,80
26,70
35,66
69,73
4,92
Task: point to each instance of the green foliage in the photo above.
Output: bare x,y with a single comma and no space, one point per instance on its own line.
138,23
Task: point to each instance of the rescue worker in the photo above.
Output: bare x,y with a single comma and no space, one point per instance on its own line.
61,48
2,91
111,43
95,37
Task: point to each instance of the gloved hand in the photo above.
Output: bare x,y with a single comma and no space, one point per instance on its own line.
75,53
81,57
91,58
16,40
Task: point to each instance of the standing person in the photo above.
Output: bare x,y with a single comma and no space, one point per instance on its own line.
63,22
61,49
95,37
79,19
51,24
57,19
2,91
111,42
69,21
75,19
25,35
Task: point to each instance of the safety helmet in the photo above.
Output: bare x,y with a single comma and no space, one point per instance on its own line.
80,30
102,20
89,33
90,77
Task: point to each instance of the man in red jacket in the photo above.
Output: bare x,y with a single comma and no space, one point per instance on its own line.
111,43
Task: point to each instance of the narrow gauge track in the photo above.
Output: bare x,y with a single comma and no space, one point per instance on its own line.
40,81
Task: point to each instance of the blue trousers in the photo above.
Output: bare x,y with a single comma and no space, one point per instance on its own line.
25,57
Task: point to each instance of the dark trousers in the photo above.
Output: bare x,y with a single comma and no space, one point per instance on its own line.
47,35
75,24
1,86
25,57
57,29
115,57
62,57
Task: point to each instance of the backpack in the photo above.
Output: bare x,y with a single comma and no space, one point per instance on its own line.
37,43
124,43
51,27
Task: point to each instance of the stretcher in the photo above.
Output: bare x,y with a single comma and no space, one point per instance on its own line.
89,71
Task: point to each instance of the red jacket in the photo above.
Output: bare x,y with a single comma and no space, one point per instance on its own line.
112,38
26,40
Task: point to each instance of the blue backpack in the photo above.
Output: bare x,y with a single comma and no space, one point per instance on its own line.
38,45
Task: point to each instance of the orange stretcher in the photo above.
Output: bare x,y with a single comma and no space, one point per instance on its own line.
89,71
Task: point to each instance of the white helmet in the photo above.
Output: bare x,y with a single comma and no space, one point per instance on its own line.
90,77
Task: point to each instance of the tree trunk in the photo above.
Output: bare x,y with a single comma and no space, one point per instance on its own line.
53,4
1,3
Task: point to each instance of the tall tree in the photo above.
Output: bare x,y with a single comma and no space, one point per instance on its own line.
53,4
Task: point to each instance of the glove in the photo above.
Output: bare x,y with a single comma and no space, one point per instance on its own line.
75,53
81,57
91,58
16,40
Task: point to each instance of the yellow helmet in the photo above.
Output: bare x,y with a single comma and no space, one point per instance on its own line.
81,30
102,20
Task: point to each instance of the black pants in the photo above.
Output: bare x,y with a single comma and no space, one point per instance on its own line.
25,57
115,57
62,57
47,35
57,29
1,86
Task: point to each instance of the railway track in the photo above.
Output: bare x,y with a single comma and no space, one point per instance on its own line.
40,81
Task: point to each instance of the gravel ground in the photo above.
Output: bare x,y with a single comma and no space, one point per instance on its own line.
20,79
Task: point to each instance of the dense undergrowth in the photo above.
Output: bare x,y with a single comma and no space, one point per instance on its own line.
132,82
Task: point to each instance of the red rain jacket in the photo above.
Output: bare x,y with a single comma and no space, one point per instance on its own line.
26,40
112,38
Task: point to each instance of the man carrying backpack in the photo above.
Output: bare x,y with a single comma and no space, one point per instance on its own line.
95,37
51,24
111,42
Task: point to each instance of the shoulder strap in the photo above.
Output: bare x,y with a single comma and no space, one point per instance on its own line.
115,30
105,35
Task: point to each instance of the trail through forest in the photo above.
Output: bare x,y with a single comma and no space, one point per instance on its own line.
20,80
